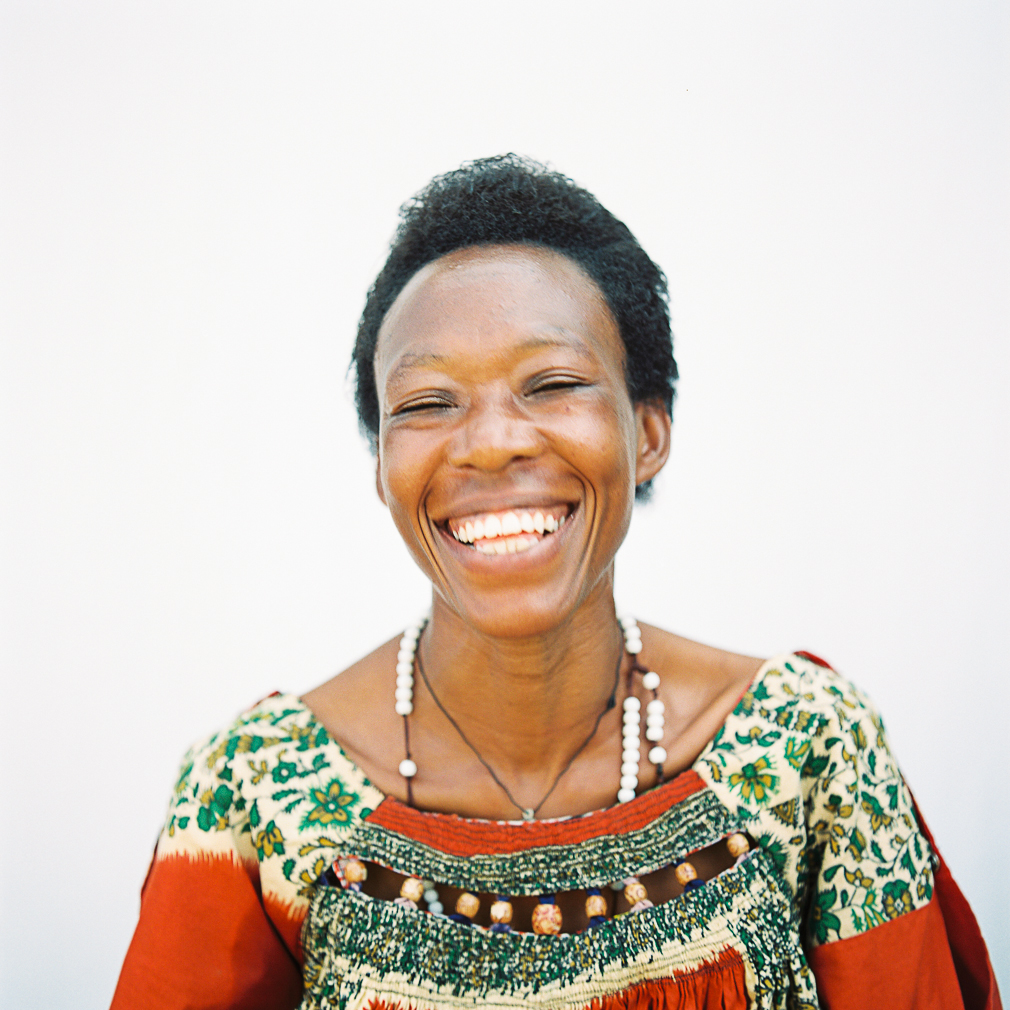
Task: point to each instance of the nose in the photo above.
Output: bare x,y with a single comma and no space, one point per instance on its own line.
493,433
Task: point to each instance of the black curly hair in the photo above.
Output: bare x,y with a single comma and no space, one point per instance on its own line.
507,200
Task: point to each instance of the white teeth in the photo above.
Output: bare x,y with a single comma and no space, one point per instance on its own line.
500,547
478,530
511,545
455,534
524,544
550,523
469,532
538,522
492,527
510,524
526,522
485,547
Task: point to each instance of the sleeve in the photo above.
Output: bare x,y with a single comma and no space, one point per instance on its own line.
204,939
885,924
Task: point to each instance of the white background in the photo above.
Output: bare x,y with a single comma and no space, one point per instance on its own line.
195,198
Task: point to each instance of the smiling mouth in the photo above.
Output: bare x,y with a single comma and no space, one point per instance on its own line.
510,532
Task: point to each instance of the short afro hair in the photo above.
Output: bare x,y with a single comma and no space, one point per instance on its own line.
511,200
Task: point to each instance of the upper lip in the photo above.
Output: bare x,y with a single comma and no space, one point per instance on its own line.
478,505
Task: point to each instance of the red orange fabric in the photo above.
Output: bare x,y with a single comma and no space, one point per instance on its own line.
459,836
204,940
968,949
904,964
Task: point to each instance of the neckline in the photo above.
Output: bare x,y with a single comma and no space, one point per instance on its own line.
392,801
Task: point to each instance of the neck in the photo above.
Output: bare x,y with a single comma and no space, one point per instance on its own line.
526,704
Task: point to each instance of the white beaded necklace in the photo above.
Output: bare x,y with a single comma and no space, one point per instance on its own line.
631,732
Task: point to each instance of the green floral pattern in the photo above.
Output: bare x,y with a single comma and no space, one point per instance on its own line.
804,760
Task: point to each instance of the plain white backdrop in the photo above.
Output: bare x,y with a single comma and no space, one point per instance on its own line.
195,198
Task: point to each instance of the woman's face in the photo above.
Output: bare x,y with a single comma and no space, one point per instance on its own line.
509,449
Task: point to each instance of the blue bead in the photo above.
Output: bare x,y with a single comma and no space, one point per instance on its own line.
692,884
547,899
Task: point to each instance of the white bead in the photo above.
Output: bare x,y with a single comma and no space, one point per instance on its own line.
627,621
655,720
654,733
411,635
631,757
657,755
404,680
629,781
655,706
404,694
633,647
625,795
431,896
435,907
650,681
407,768
405,668
629,768
632,631
632,704
404,707
631,719
405,655
631,734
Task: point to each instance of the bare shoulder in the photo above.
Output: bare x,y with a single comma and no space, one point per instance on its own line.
699,666
356,707
700,686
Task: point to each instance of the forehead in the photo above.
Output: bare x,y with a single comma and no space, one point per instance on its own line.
491,299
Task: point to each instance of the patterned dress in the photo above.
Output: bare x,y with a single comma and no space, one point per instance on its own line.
841,902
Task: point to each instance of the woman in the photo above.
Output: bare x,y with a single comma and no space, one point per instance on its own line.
522,799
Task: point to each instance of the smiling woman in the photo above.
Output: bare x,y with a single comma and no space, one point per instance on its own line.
477,812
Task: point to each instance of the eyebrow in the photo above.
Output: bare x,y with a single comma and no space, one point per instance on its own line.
416,359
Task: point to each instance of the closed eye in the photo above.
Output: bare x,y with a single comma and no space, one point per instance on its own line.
415,406
555,384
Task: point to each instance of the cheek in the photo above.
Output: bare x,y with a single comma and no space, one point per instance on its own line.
405,464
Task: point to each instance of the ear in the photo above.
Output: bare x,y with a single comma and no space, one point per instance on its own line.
378,480
653,426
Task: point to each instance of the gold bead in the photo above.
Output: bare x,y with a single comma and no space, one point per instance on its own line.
547,920
468,904
737,845
355,871
501,911
635,892
685,873
596,904
412,888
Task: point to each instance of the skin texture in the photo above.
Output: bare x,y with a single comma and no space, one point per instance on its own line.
501,381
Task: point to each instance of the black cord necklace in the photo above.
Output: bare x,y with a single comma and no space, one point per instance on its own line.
529,813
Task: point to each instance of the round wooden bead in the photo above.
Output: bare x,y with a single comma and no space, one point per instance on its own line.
634,892
685,873
355,871
547,919
468,904
596,904
737,845
412,888
501,910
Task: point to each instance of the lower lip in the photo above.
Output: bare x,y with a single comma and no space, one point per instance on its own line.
542,550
